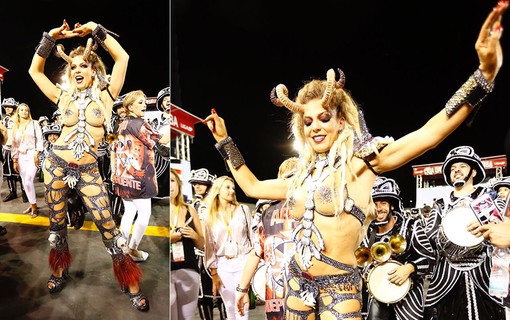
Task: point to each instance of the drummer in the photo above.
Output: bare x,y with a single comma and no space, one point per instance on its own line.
460,282
411,248
502,187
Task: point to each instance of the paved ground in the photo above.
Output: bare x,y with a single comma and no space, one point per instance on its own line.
92,292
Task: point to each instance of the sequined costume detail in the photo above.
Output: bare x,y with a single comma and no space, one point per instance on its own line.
319,289
79,145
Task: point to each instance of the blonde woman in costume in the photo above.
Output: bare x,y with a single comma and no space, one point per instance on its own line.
85,107
339,162
228,241
27,143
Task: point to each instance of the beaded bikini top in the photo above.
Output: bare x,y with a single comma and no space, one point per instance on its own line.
80,145
304,244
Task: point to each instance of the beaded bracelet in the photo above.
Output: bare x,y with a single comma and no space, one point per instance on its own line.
473,92
229,150
239,289
45,45
99,34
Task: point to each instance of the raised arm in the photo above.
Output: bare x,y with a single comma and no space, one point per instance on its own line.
471,93
43,51
110,44
273,189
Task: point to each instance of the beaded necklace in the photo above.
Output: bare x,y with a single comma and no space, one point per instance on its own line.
79,145
304,245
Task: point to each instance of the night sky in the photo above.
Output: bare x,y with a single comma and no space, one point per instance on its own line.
143,27
402,60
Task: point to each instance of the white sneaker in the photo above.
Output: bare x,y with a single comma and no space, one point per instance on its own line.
140,256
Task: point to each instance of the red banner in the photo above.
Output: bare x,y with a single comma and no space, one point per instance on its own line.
183,121
433,169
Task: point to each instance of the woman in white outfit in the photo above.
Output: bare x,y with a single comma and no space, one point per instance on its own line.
27,143
228,241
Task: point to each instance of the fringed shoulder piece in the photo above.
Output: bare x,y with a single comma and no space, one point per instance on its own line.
371,146
367,145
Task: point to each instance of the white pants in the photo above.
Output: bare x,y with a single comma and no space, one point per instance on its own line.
184,287
143,207
27,171
230,272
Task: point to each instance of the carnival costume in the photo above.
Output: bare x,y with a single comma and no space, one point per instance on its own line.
418,252
82,117
459,284
326,292
314,181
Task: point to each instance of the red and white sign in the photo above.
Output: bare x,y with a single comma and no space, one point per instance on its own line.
433,169
182,121
2,71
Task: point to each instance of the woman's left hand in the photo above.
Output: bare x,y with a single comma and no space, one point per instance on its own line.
36,160
85,29
488,46
188,232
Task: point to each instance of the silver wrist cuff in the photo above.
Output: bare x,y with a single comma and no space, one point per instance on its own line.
229,150
45,45
473,92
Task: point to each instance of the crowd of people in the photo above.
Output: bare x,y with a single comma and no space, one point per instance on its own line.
88,154
330,233
334,237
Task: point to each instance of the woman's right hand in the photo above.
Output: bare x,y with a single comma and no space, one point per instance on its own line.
61,32
16,166
216,284
217,126
242,299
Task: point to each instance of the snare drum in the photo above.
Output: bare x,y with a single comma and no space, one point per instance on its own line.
258,283
381,288
453,238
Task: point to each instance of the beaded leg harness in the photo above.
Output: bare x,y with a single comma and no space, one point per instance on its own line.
312,288
89,187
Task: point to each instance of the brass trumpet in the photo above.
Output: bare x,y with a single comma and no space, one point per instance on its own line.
363,257
111,137
381,251
398,243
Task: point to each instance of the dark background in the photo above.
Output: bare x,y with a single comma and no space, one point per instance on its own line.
402,59
143,27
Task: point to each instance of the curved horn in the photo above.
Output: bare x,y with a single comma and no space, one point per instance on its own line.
274,98
283,99
341,82
61,54
88,49
330,76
